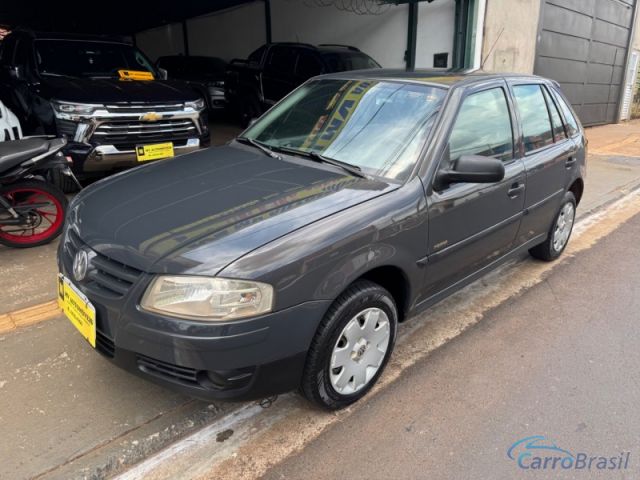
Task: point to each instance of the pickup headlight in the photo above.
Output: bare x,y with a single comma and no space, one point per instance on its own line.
197,105
74,108
207,298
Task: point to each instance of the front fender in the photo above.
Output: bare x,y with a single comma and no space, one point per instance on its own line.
319,261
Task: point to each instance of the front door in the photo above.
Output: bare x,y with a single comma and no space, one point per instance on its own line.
474,224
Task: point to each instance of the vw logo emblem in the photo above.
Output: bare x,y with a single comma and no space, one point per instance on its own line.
80,265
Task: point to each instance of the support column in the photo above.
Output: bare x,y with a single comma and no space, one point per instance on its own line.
267,19
185,38
412,35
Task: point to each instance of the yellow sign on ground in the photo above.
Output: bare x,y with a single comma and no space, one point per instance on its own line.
77,308
144,153
135,75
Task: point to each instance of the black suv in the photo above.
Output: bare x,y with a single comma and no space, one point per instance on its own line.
273,70
206,74
104,96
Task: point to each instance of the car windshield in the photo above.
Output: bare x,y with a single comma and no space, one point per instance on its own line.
378,126
75,58
346,61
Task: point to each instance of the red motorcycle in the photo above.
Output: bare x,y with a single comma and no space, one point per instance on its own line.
32,211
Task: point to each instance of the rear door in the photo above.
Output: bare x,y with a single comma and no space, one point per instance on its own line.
548,155
473,224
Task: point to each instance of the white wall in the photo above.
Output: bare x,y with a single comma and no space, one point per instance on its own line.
436,28
236,32
383,37
233,33
166,40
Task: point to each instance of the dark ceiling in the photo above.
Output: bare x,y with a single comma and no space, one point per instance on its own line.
103,16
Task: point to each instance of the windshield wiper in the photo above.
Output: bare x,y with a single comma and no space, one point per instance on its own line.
316,157
259,146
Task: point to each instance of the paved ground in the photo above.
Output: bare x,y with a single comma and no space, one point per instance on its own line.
561,360
67,413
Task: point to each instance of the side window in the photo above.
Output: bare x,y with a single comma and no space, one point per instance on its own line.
21,54
483,127
571,122
281,60
556,121
308,66
536,125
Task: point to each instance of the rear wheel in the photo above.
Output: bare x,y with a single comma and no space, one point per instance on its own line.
560,231
42,207
351,347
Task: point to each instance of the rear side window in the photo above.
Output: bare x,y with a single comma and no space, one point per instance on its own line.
536,124
281,60
308,66
570,120
556,121
483,127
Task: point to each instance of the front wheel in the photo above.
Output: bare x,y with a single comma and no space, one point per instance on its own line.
351,347
560,231
41,207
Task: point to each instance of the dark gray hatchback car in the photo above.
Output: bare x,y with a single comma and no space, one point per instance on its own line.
287,258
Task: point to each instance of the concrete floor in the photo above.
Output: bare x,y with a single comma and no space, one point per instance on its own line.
560,360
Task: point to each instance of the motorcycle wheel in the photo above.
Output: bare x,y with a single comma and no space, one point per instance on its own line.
42,224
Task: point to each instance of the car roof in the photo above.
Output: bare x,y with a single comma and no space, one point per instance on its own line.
72,36
443,78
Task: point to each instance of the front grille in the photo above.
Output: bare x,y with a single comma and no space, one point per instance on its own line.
144,107
143,132
168,371
66,128
105,345
106,277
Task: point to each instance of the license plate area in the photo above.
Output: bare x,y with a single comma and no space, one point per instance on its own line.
156,151
78,309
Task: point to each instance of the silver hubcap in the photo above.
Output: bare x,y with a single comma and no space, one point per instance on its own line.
563,226
359,351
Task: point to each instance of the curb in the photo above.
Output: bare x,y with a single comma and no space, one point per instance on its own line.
29,316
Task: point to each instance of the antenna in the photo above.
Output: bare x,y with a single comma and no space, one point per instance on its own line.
491,50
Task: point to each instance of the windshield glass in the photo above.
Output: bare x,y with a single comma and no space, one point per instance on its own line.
88,59
375,125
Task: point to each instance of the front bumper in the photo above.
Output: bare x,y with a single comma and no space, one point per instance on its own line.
244,359
89,160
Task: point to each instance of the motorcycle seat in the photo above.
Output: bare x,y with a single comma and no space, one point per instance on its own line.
15,152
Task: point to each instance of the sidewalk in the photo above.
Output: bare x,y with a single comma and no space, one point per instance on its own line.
613,169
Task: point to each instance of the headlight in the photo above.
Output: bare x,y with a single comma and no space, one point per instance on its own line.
74,108
207,298
197,105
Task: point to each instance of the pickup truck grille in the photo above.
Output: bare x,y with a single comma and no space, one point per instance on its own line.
143,132
106,277
143,107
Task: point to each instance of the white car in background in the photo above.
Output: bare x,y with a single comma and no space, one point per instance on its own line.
9,125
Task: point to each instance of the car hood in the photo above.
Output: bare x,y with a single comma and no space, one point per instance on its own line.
201,211
87,90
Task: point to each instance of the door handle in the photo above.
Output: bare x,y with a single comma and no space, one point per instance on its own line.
515,190
571,161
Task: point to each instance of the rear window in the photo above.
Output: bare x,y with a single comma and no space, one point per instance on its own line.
569,118
536,124
349,60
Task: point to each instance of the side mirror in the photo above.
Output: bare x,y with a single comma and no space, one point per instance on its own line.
473,169
163,74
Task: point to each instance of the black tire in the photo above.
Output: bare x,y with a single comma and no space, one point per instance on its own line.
316,383
546,251
63,182
61,210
